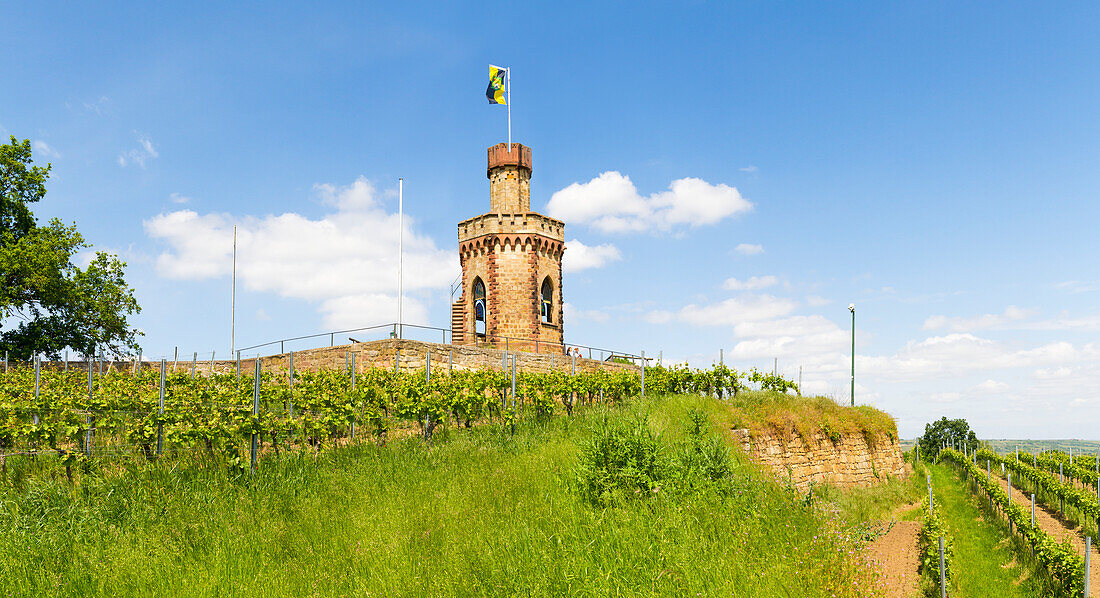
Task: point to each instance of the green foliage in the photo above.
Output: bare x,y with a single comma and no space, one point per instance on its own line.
1062,563
479,513
952,432
625,460
20,185
55,303
621,460
928,544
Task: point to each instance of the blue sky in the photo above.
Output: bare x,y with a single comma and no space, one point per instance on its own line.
766,164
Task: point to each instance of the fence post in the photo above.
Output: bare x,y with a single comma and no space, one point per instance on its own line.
428,366
353,388
160,412
1088,553
332,339
5,362
66,370
397,361
450,362
37,361
88,417
282,347
1032,509
255,412
574,356
721,357
643,374
1009,501
238,367
212,364
930,494
292,384
175,359
137,370
943,573
513,381
194,361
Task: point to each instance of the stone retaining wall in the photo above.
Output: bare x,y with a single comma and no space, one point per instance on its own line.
850,461
377,354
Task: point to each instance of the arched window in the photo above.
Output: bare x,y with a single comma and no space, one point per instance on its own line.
479,306
547,300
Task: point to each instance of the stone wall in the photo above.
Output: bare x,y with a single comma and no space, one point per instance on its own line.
373,354
850,461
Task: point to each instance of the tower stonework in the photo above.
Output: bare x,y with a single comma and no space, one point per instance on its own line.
511,264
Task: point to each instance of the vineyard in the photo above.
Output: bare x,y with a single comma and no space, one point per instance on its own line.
79,415
1003,483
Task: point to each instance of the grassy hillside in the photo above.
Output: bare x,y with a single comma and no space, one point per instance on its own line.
637,500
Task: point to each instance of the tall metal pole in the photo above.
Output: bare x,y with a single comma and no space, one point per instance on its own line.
233,301
852,308
508,90
400,251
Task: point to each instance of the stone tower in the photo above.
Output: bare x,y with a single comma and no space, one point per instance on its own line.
511,264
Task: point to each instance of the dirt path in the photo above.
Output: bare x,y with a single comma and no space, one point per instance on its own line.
1048,521
895,555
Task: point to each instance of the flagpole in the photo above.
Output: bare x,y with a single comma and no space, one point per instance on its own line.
508,88
233,301
400,252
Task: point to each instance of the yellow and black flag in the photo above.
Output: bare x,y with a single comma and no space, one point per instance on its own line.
498,85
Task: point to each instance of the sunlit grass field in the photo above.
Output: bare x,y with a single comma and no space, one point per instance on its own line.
477,512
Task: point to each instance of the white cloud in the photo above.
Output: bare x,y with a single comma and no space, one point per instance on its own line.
611,203
749,249
1052,373
144,152
572,314
42,148
579,256
99,107
960,354
817,301
1077,286
346,260
178,198
754,283
737,310
749,169
990,386
1064,322
981,322
658,316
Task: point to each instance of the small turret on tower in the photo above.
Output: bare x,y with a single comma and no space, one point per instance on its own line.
509,179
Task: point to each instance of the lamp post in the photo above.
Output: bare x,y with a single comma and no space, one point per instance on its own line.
852,308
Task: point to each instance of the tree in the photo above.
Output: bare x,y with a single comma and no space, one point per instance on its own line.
953,432
53,303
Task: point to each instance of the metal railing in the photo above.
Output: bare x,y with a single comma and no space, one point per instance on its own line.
398,331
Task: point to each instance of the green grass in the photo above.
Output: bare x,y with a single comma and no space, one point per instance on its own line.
986,562
882,502
476,513
785,414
